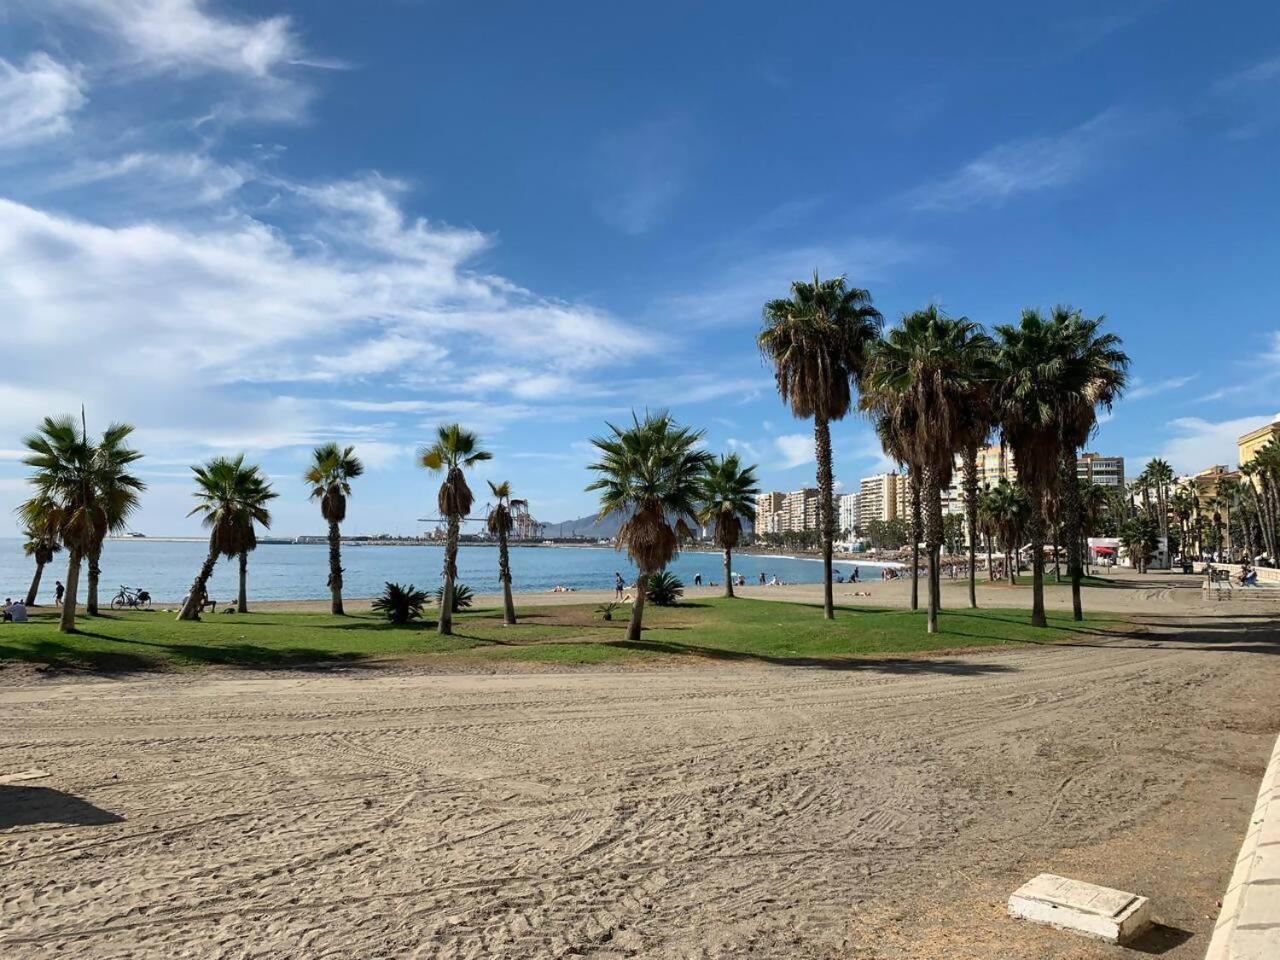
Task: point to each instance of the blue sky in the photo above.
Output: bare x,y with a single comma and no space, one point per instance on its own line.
257,226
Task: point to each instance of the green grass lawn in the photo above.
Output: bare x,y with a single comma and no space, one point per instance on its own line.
742,629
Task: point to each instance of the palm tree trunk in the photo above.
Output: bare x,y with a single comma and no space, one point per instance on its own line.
637,609
335,570
1057,565
504,574
67,622
242,599
191,606
35,584
933,544
826,522
1035,527
1071,528
95,571
728,572
913,482
450,572
991,570
1010,564
971,517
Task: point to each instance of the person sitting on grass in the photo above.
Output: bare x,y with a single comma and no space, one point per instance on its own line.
15,611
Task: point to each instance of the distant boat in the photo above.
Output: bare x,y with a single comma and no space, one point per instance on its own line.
141,536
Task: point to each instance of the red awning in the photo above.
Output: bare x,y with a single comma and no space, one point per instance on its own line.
1104,549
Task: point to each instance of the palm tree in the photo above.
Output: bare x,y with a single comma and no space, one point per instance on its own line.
1184,506
256,494
499,524
817,340
1093,507
329,476
1161,475
455,449
118,493
1094,375
728,497
923,378
71,473
230,498
1006,509
1055,374
653,473
40,539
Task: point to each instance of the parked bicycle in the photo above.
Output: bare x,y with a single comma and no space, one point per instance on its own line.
137,599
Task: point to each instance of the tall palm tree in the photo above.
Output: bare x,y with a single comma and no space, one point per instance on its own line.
1183,504
230,498
329,476
256,494
728,497
1093,507
71,473
118,492
455,450
652,472
1095,371
499,524
817,340
1161,474
893,444
1055,373
923,377
40,539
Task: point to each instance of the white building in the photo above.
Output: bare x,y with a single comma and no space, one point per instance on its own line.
847,514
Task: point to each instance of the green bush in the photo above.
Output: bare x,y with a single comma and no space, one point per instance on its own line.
400,604
664,589
462,596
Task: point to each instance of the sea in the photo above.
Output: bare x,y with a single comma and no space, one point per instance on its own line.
166,569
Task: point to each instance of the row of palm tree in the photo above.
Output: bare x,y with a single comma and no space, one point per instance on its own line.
937,387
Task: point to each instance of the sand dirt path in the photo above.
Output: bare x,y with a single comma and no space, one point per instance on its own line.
879,811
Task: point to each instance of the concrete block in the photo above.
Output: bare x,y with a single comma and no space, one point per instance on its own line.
1099,912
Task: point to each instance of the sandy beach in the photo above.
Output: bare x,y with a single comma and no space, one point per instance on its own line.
881,810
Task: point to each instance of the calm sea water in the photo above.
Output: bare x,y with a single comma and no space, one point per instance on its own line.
299,572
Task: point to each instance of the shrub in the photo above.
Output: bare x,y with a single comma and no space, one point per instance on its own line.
605,610
400,604
462,596
664,589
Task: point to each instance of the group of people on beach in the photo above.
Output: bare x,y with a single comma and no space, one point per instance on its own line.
15,611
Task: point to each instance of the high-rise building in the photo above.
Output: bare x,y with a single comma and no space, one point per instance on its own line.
800,510
847,514
881,497
1100,470
1247,447
768,512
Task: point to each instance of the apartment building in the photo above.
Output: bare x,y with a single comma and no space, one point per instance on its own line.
847,513
1100,470
881,497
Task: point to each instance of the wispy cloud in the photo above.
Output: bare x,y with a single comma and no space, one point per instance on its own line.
37,99
1141,389
1248,99
795,448
641,173
1025,166
1199,443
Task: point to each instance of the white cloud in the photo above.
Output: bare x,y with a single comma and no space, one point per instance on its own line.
182,34
1141,389
1024,166
742,446
37,99
1246,101
174,179
1203,443
796,449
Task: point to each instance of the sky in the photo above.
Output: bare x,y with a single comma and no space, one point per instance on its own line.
258,226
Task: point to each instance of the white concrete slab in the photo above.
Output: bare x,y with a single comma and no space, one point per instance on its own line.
1099,912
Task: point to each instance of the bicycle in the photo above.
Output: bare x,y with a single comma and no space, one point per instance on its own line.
137,599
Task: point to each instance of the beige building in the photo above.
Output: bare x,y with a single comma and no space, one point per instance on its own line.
882,497
1247,447
778,512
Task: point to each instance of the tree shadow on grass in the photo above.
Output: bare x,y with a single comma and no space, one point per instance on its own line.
872,664
57,656
22,806
65,656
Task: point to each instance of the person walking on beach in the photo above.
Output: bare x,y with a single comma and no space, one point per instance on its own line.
58,591
762,579
618,585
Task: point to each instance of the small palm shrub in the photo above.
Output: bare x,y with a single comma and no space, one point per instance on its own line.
605,610
400,604
664,589
462,596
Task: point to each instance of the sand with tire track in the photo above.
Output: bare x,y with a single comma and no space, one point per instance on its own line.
881,810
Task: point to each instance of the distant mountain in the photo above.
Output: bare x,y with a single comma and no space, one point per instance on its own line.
589,526
594,528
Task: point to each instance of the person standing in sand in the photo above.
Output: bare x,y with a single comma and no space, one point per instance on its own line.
58,591
618,585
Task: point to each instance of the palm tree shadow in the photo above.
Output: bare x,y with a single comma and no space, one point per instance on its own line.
891,665
22,806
